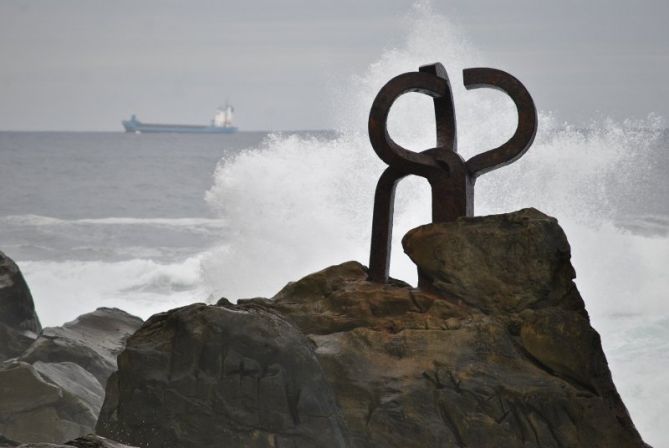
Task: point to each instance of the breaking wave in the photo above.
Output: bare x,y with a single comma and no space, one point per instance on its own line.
138,286
296,204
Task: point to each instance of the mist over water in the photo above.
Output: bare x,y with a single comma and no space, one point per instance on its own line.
297,204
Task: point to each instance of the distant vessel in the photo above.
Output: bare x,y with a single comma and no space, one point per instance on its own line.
220,124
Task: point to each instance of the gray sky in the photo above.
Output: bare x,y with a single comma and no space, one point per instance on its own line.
86,64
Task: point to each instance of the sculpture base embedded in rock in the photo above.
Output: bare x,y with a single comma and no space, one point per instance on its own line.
497,352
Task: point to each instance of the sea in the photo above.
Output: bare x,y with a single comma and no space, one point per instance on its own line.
149,222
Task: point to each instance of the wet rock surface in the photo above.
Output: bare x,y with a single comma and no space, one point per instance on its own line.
47,402
93,341
17,309
88,441
13,343
499,263
496,350
220,376
93,441
52,379
53,391
19,323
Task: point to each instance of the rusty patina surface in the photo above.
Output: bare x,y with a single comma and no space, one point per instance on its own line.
451,177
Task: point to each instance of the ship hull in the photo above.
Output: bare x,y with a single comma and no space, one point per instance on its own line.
149,128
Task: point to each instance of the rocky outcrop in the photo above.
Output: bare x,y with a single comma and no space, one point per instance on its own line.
17,309
13,342
89,441
498,264
47,402
93,441
495,350
19,323
53,392
220,376
52,385
92,340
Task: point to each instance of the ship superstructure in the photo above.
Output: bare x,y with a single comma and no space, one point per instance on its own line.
220,124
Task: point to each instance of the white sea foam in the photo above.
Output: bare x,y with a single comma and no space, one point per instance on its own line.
38,220
139,286
298,204
36,237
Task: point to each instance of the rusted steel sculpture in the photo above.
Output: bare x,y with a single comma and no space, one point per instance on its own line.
450,177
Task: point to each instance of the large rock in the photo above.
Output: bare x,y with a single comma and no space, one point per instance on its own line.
93,441
13,342
47,402
93,341
499,263
220,376
54,391
17,309
88,441
19,323
496,350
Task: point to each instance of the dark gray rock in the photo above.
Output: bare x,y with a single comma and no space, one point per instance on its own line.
17,309
232,376
19,323
93,441
5,442
495,351
89,441
93,341
54,391
47,402
13,342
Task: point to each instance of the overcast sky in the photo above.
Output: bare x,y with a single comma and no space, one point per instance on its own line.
87,64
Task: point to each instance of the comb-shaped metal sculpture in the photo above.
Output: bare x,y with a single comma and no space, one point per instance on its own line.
450,177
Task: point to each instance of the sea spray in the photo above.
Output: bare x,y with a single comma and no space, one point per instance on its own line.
296,205
141,287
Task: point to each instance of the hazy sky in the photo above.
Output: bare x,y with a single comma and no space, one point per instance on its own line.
86,64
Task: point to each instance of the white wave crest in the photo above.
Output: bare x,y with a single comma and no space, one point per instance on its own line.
39,220
139,286
298,204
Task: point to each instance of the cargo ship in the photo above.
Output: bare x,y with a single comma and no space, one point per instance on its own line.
220,124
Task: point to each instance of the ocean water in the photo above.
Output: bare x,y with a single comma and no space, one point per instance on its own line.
150,222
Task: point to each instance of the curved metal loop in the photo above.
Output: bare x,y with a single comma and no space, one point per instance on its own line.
430,80
451,178
521,140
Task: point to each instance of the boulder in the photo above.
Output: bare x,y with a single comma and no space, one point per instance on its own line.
19,323
13,342
93,441
5,442
93,341
53,392
494,350
220,376
89,441
17,309
47,402
52,385
499,263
